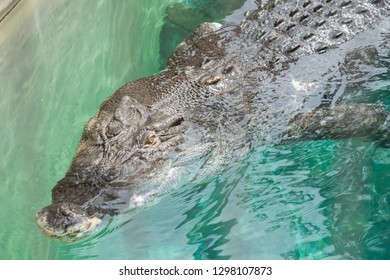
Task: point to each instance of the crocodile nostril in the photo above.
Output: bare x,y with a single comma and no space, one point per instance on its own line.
65,212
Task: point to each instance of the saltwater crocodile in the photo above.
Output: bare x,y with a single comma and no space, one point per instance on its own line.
278,76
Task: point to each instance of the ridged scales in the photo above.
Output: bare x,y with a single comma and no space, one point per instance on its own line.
307,26
280,31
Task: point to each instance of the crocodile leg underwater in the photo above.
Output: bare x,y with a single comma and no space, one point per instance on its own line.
342,121
282,74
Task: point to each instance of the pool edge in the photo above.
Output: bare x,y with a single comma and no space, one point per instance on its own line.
6,7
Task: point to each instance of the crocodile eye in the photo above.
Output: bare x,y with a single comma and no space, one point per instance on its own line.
151,140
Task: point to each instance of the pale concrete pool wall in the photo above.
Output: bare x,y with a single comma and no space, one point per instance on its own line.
6,6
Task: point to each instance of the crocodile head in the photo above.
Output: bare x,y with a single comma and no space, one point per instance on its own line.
126,146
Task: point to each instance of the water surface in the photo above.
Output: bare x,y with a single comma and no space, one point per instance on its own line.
61,59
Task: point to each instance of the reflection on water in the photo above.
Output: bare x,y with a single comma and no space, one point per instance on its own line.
60,59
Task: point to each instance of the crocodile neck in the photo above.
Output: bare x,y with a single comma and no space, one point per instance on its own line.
267,42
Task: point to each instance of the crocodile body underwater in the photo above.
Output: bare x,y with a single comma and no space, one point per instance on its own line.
280,75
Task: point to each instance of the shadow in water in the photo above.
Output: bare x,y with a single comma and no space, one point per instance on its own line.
182,18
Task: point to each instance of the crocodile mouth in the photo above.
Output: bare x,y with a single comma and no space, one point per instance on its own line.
65,221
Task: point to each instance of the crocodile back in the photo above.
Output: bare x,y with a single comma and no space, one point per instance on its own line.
279,31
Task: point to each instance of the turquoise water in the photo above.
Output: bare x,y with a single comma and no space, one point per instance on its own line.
61,59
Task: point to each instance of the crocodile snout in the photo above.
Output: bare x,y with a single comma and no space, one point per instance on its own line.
65,221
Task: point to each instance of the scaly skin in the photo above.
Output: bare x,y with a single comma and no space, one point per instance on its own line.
226,88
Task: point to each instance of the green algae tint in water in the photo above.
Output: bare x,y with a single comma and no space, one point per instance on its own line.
60,59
